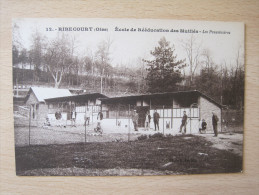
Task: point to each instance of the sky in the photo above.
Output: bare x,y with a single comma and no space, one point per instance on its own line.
129,46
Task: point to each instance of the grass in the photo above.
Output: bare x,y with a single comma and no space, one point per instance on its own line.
176,154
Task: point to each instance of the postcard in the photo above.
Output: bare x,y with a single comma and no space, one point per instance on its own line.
127,97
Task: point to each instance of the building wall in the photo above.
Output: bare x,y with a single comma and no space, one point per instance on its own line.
42,113
206,109
80,116
35,107
32,99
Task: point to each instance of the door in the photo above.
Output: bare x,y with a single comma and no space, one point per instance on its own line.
142,110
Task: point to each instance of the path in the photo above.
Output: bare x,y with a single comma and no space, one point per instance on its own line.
232,142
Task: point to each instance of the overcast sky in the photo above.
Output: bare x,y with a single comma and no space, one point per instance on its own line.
128,46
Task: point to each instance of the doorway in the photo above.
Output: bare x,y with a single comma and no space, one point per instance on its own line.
142,110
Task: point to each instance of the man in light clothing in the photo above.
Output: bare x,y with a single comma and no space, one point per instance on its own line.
87,116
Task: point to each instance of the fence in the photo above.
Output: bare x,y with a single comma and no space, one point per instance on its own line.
172,118
121,122
232,120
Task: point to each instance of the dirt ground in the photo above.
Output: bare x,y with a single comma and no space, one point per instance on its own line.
66,135
232,142
156,155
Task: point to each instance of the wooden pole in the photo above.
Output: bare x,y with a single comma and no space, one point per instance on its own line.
92,115
30,127
17,93
190,121
85,122
221,119
129,124
172,114
163,119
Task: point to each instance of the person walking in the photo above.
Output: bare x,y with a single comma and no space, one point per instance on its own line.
215,120
156,117
135,120
184,122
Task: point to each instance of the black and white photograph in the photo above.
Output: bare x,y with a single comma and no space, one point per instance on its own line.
127,97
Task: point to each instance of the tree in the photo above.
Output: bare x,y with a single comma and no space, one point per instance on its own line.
192,49
237,80
16,44
207,60
59,58
164,71
102,56
36,54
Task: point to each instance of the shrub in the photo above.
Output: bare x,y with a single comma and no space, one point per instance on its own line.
142,137
156,135
169,135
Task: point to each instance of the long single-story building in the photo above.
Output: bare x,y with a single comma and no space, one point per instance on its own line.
78,103
45,103
117,111
170,106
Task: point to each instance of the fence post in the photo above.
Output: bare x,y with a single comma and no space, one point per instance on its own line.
172,113
30,127
221,119
129,123
190,121
116,113
163,119
92,115
85,122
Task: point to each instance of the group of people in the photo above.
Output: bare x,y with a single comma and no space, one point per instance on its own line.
156,116
202,124
86,118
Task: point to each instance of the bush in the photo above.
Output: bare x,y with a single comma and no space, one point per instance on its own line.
156,135
169,135
142,137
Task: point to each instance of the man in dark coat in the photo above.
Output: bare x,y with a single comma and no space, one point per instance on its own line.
156,117
184,122
215,120
135,120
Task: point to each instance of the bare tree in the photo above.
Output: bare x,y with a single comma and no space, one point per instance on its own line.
59,57
36,53
193,52
102,56
207,60
16,36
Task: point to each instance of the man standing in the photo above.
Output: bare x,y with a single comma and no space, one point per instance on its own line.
184,122
156,117
135,120
147,120
73,117
87,116
215,120
99,120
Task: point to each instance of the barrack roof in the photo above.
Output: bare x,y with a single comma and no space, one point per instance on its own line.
80,97
43,93
159,95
